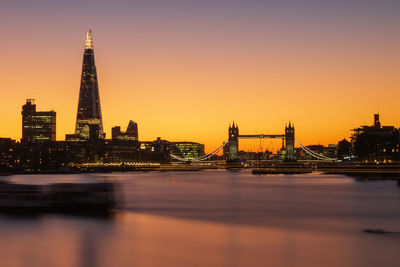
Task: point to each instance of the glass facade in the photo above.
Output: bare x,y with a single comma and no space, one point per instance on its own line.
187,150
89,110
37,126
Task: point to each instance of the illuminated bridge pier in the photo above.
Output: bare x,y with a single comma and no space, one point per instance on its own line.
288,140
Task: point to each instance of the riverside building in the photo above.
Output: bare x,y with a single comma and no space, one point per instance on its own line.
37,126
89,123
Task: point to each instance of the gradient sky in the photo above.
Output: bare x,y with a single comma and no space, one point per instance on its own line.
185,69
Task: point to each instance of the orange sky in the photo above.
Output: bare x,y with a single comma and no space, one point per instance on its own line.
184,75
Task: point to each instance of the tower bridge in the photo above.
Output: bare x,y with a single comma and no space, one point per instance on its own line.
234,136
232,145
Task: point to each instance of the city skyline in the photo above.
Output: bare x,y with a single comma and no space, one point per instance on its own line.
199,133
182,87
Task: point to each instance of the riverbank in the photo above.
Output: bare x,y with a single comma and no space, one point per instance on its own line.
271,167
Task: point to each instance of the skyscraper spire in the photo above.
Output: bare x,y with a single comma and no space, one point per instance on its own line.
89,123
89,40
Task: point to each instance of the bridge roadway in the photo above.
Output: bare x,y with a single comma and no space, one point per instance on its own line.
260,136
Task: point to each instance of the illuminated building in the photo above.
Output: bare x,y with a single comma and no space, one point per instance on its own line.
130,134
37,126
88,120
187,150
7,154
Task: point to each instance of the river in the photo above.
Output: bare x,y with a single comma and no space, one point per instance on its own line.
214,218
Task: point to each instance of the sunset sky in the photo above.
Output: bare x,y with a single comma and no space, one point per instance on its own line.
184,70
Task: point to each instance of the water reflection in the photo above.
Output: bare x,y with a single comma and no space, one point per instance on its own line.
217,219
53,241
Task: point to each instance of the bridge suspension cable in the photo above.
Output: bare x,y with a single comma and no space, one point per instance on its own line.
312,153
204,157
315,154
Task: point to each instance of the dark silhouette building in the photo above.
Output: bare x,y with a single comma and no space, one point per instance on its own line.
381,143
8,156
233,145
289,139
130,134
37,126
88,119
344,149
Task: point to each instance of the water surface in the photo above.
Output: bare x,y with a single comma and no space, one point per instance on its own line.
214,218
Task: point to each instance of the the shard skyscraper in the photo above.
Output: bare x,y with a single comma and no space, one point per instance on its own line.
89,123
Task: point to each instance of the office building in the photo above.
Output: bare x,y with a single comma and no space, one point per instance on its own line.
37,126
130,134
187,150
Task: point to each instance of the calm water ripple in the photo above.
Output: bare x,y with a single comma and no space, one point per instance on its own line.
215,218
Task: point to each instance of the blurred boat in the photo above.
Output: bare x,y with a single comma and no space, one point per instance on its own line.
82,198
379,231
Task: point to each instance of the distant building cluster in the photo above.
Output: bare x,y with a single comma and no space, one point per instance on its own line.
375,143
39,150
327,151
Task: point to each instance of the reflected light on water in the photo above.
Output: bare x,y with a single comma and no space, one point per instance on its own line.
217,219
147,240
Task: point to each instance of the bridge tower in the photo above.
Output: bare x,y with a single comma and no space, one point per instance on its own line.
233,142
289,139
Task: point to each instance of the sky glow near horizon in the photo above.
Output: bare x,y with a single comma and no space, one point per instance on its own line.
183,70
